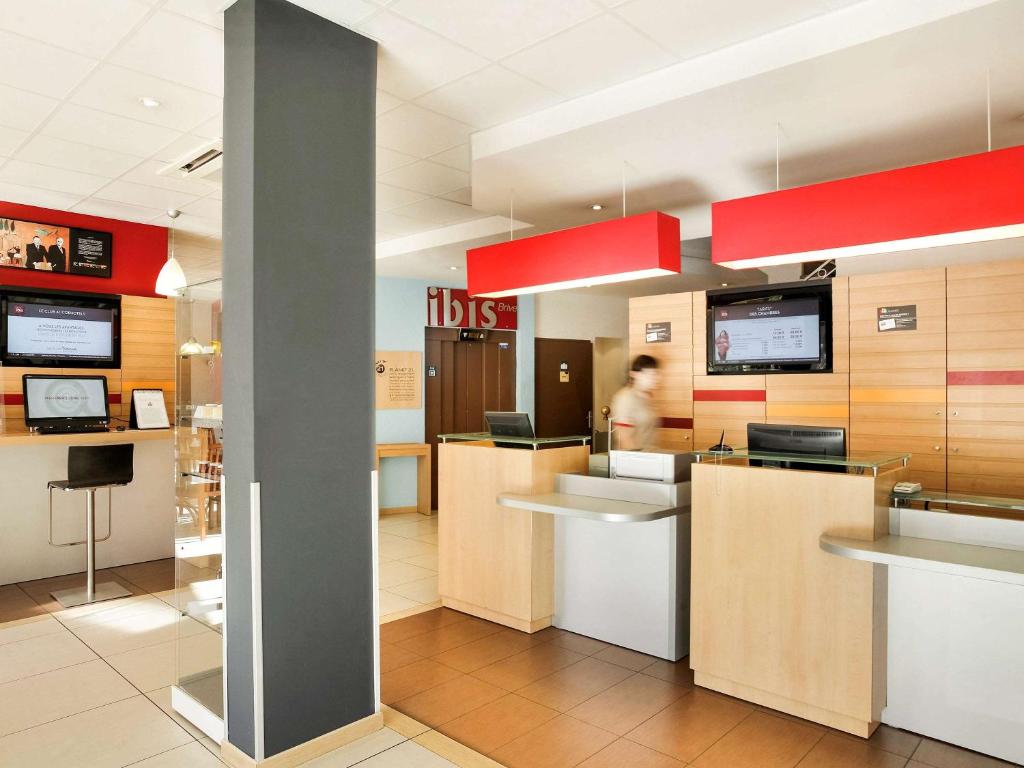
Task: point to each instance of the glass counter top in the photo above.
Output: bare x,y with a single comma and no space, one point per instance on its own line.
534,441
857,460
927,498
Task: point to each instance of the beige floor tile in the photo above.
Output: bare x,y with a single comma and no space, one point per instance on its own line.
149,627
940,755
41,654
625,705
422,590
762,741
152,576
40,589
397,548
429,538
428,561
834,751
109,610
690,725
407,755
28,628
445,702
15,604
574,684
198,591
192,755
398,572
412,529
162,698
117,734
392,603
496,724
153,667
358,750
625,658
622,753
42,698
558,743
390,521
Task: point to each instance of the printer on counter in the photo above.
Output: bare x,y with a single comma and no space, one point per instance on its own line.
656,466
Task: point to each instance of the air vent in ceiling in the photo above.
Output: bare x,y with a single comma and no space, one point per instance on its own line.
202,162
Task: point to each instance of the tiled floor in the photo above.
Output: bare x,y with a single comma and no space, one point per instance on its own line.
558,700
408,564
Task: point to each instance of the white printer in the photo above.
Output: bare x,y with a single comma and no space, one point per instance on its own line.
657,466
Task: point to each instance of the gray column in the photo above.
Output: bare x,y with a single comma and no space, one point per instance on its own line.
298,362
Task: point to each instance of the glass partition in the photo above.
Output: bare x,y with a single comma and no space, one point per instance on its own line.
861,460
199,580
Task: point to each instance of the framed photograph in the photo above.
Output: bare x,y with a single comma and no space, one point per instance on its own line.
54,248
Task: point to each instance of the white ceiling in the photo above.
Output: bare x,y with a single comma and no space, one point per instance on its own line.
548,73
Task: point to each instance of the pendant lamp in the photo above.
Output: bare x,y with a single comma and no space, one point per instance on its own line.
171,280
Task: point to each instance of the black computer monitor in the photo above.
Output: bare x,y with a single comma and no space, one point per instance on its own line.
56,403
509,424
795,439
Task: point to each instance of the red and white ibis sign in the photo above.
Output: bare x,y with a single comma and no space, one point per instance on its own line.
454,308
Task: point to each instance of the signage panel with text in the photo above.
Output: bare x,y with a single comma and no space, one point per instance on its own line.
454,308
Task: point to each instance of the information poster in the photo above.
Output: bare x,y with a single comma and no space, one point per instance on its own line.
52,248
658,333
903,318
399,379
38,330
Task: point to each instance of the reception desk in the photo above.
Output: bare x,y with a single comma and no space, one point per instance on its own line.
143,512
775,620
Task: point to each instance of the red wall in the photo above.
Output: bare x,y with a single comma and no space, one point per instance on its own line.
139,251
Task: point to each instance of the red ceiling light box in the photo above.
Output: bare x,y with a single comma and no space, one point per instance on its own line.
630,248
964,200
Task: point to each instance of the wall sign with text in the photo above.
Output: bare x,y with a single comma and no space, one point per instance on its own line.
454,308
658,333
399,379
903,318
52,248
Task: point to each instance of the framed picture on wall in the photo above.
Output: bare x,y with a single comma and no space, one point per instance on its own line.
56,249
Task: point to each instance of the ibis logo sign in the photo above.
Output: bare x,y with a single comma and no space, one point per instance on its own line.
454,308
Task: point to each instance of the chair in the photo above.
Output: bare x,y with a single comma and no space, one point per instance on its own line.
211,466
91,467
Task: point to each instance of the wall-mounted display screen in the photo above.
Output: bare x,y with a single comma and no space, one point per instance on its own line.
55,249
59,329
770,329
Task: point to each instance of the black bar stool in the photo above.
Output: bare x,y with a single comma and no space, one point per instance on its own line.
91,467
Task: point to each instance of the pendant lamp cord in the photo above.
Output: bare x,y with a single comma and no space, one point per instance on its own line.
512,215
623,189
988,105
778,155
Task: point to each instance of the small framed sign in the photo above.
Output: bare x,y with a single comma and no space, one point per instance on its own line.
148,410
902,318
658,333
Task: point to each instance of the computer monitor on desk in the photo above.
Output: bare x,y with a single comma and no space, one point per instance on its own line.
794,439
509,424
65,403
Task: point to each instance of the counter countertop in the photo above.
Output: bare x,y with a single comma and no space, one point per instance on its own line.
17,435
590,507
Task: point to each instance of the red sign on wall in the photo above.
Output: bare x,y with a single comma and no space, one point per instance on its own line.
453,308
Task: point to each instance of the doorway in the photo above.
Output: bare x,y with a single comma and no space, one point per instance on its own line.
464,379
563,387
611,372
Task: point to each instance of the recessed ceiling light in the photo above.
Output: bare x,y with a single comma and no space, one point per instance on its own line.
596,207
725,285
453,269
149,102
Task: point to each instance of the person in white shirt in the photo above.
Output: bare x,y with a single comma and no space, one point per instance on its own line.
634,421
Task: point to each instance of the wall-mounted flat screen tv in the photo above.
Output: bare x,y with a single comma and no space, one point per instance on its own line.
59,329
783,328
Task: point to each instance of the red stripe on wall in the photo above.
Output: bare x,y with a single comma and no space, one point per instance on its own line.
729,395
16,398
673,422
966,378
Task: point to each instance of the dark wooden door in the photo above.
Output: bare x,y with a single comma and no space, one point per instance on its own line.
464,379
564,387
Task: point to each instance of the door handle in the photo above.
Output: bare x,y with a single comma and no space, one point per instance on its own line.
589,416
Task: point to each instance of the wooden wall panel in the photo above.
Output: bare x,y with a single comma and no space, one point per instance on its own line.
985,361
814,399
898,378
841,325
674,398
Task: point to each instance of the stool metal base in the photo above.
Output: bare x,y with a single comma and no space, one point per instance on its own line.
108,590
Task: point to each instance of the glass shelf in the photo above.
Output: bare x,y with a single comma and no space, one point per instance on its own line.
927,498
857,460
534,441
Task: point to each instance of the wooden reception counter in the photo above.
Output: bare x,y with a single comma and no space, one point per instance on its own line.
494,562
775,620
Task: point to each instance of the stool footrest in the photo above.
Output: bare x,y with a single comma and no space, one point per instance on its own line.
108,590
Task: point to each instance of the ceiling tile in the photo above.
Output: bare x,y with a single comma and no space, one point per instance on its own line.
496,28
399,226
90,27
183,145
205,11
178,49
385,101
100,129
40,68
389,159
46,177
689,28
143,195
212,128
490,96
597,54
30,111
148,173
46,198
426,177
420,132
112,210
11,139
119,90
413,60
389,197
439,212
204,208
456,157
463,195
47,150
343,12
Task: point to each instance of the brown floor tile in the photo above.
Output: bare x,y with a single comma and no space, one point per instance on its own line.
16,604
152,576
574,684
892,740
836,752
527,667
40,589
392,657
496,724
444,703
625,705
420,624
762,741
624,657
623,753
940,755
580,644
412,679
559,743
546,635
677,672
487,650
690,725
450,636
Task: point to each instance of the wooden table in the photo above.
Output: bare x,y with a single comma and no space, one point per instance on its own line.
422,453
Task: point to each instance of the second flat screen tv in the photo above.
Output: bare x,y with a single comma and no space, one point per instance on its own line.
771,329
